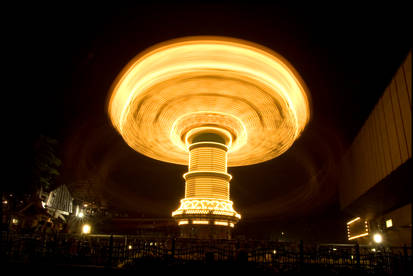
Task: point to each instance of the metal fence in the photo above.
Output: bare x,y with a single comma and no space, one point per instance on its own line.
125,252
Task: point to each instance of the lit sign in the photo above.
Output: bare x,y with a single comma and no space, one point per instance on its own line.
389,223
357,228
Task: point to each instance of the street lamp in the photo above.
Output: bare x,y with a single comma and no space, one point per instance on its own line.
86,229
377,238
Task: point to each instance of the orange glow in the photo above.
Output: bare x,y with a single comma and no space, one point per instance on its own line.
212,102
358,236
206,206
357,229
223,223
353,220
238,86
207,181
200,222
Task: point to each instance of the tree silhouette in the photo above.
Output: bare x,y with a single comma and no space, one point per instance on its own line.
46,164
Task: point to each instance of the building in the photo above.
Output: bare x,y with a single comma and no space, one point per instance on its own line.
376,182
59,202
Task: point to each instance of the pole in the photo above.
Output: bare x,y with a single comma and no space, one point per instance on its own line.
301,255
109,262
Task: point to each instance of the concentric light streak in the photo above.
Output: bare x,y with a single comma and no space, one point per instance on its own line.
235,85
210,102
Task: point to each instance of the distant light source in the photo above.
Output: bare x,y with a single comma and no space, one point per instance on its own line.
200,222
15,221
353,220
377,238
357,229
223,223
80,215
389,223
130,247
86,229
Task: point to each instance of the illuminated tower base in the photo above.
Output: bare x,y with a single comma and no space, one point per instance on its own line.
206,211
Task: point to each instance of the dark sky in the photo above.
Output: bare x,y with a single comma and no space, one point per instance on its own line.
61,61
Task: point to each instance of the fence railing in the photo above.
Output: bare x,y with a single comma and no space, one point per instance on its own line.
122,251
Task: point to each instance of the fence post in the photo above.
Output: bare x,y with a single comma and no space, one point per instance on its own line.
357,255
125,247
301,255
109,262
405,258
173,247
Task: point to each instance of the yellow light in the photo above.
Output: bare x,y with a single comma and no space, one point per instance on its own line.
241,87
206,206
224,223
377,238
15,221
358,236
353,220
182,222
129,247
171,97
389,223
86,229
200,222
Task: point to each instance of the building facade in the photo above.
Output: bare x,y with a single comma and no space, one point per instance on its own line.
375,183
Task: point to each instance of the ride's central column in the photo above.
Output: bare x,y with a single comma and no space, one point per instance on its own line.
206,203
207,175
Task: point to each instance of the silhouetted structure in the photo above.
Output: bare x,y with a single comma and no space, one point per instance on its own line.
376,182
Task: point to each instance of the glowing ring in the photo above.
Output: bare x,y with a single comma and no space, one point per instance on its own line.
248,90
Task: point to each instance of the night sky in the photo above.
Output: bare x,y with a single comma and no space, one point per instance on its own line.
61,61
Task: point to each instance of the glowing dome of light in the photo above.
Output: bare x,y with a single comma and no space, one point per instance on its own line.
243,89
